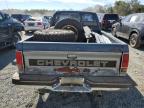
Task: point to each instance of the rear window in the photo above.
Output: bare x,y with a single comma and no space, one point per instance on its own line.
31,19
26,16
34,19
62,16
111,17
133,18
16,16
140,18
87,17
21,16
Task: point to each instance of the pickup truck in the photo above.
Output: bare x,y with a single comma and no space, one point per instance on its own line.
10,31
62,64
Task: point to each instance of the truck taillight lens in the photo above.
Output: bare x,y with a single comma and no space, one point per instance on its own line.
104,22
19,60
124,62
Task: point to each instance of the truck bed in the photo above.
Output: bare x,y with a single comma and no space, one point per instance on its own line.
104,44
73,66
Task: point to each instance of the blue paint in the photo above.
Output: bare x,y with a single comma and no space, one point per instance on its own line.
76,47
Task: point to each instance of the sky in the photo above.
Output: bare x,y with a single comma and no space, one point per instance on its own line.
53,4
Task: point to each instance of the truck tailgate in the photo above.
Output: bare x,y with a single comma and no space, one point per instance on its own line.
96,63
79,59
73,67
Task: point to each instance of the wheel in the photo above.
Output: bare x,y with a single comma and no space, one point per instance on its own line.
55,35
114,32
16,38
134,40
73,25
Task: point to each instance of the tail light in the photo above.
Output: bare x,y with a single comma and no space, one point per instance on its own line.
124,62
103,22
19,60
39,23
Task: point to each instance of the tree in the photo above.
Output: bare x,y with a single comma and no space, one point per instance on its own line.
122,8
141,8
96,8
109,9
126,7
135,6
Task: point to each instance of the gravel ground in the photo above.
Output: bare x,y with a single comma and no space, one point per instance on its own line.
12,96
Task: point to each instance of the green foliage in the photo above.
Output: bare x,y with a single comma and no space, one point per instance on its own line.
122,7
135,6
109,9
126,7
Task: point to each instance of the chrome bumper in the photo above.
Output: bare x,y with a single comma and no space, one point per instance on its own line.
96,83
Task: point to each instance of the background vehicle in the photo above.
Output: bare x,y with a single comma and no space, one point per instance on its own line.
33,24
106,20
77,19
48,18
100,16
46,22
20,17
131,28
85,18
10,30
53,57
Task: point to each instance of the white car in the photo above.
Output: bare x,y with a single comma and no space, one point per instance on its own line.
33,24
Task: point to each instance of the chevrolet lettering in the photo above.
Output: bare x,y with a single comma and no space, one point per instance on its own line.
79,63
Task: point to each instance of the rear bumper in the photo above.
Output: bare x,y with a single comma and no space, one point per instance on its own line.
96,83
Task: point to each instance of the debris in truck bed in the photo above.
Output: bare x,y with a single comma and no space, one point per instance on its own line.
102,39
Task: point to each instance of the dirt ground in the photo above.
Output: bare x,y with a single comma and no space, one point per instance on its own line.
14,96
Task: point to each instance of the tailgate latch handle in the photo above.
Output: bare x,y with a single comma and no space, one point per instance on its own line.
71,57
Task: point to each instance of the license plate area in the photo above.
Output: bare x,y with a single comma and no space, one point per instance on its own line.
71,84
71,80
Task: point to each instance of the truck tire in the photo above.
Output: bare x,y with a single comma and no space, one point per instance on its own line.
74,25
134,40
55,35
